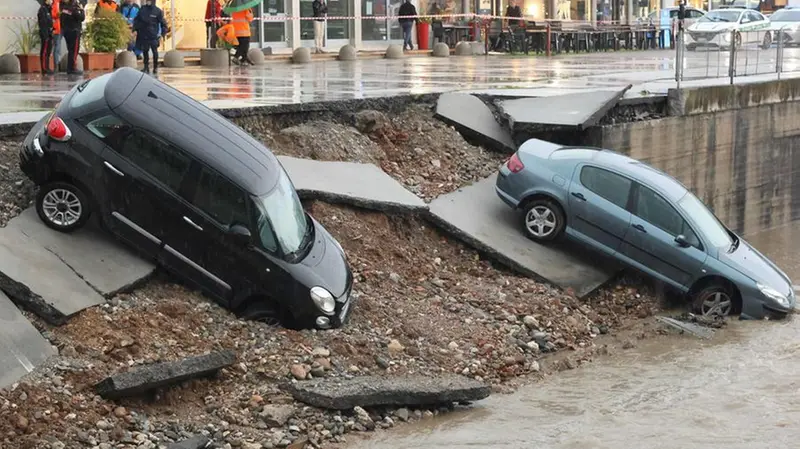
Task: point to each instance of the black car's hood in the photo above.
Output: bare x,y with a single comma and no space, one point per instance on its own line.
753,264
325,264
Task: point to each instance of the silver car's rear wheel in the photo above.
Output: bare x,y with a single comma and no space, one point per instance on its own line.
543,220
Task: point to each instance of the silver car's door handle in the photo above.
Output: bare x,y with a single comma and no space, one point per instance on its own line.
193,224
114,169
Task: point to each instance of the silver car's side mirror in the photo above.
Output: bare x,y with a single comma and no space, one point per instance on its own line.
682,242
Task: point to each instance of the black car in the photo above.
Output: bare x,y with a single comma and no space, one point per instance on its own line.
191,191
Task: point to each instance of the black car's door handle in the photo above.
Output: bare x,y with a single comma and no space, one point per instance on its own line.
640,228
579,196
113,169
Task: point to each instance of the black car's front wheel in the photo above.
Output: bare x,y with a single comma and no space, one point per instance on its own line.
62,206
264,310
714,299
543,220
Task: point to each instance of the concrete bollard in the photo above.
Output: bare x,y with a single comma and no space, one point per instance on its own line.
125,59
463,48
9,63
441,50
173,59
256,56
478,48
394,51
301,55
214,57
267,51
347,53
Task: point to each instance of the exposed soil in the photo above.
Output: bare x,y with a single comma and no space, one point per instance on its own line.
16,191
427,156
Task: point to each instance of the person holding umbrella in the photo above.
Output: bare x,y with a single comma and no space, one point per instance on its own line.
241,16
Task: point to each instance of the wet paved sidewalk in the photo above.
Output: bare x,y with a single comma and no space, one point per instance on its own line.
283,82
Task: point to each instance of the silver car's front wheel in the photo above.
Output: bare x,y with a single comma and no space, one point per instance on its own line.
543,220
714,300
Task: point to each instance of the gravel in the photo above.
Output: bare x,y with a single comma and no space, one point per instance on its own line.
16,191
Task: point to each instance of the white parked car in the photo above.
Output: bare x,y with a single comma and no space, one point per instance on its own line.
786,25
720,26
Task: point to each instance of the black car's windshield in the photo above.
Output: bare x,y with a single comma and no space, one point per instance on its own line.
785,15
708,224
281,210
720,16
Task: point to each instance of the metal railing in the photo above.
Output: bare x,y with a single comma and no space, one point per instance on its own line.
730,53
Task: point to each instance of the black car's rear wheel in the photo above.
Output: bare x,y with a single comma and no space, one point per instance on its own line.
543,220
63,206
714,299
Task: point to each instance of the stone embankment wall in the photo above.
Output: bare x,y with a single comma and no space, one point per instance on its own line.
736,147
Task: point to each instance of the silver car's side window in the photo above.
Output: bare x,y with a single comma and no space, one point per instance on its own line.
654,209
606,184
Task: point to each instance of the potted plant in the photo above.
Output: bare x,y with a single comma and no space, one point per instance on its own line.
424,33
26,39
105,34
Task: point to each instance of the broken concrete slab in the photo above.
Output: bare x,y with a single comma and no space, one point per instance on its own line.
362,185
371,391
473,118
579,110
38,280
111,268
692,328
149,377
196,442
22,347
477,216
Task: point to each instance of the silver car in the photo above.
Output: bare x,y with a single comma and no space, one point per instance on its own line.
647,220
785,25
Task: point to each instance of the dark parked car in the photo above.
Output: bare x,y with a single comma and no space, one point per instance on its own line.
190,190
644,218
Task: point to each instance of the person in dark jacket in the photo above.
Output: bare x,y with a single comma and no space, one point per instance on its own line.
320,12
406,23
129,11
72,17
148,26
45,19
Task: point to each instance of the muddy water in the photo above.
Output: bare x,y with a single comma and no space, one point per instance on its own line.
739,390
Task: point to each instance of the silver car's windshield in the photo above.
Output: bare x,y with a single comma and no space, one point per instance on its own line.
708,224
785,15
720,16
281,210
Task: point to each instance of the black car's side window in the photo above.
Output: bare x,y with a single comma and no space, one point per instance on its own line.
110,128
608,185
220,199
159,159
654,209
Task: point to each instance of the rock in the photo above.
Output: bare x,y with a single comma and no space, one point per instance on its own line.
440,50
125,59
533,345
317,371
394,346
347,53
463,49
150,377
381,362
369,121
394,51
299,371
9,64
256,56
104,425
535,366
401,414
452,346
531,322
299,443
21,423
362,417
369,391
436,163
173,59
394,277
301,55
324,363
320,352
196,442
427,414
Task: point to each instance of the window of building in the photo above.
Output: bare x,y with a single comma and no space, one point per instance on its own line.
608,185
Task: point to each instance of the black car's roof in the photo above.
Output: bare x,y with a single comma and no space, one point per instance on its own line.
148,103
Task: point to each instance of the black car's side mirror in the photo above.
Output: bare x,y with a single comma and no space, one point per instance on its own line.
682,242
240,234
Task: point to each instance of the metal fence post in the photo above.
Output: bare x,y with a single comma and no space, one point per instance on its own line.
779,54
679,58
732,60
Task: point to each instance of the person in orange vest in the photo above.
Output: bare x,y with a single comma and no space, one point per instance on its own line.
241,23
55,11
227,33
110,5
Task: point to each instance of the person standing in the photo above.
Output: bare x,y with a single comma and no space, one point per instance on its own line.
241,23
129,11
408,15
72,17
45,19
213,16
55,12
110,5
147,28
320,12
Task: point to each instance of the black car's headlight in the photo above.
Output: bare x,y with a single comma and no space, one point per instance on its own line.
324,300
773,294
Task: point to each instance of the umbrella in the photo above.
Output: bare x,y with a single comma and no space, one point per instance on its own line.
239,5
